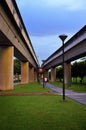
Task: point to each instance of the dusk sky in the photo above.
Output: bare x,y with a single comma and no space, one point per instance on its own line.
45,20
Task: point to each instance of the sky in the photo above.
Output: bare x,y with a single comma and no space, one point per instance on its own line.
45,20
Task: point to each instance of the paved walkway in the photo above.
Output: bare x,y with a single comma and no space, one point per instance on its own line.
79,97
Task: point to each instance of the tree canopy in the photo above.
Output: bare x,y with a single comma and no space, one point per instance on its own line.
17,67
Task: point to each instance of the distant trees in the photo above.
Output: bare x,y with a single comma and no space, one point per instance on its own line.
75,70
78,69
59,73
17,67
17,70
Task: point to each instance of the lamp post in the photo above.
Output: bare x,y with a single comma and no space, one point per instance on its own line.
63,37
41,71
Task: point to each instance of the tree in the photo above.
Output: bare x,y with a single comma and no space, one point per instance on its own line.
79,70
82,70
59,73
75,70
17,67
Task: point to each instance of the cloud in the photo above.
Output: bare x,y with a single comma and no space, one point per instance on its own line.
66,4
45,45
46,19
75,5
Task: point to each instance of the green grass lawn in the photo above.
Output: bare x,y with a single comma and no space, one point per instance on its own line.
31,87
40,112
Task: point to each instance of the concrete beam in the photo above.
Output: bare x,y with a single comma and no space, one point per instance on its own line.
23,48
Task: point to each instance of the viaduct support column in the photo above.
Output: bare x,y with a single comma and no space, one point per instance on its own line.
67,74
46,73
24,72
35,75
32,74
6,67
53,74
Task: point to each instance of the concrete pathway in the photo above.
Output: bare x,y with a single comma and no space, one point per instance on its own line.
79,97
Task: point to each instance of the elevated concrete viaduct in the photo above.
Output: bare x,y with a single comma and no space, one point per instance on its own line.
74,48
14,41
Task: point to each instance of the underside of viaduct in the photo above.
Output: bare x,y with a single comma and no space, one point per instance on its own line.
14,41
74,49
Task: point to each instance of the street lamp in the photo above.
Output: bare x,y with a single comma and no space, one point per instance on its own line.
63,37
41,71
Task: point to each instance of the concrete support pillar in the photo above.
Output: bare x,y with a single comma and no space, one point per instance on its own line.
46,74
32,74
67,74
24,72
35,75
6,67
53,74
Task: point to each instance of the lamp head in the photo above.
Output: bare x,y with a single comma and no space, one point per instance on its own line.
63,37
